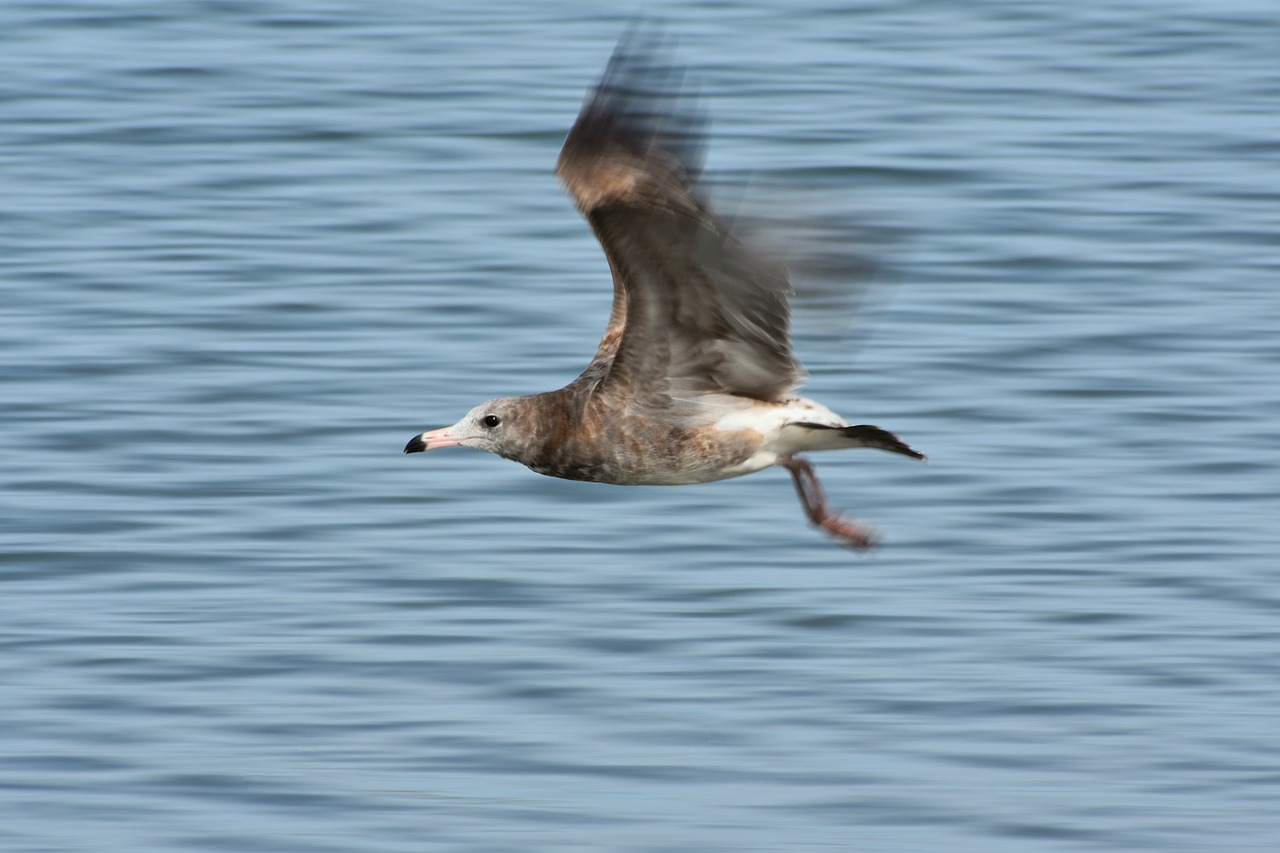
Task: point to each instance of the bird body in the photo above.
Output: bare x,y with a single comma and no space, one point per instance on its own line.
560,434
694,377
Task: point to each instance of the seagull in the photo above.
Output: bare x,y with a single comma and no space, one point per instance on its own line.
694,378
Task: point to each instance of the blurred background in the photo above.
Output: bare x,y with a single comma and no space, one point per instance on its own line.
247,250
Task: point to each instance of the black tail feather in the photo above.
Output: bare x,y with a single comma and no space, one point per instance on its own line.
871,436
882,439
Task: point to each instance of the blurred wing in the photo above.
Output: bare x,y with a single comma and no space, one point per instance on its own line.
694,311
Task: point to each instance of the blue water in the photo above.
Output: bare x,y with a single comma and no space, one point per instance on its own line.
248,250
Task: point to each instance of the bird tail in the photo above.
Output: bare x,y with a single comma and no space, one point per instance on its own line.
806,436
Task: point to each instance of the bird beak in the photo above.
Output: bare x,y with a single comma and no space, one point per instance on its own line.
432,440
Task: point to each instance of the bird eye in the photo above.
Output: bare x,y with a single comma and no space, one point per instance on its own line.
491,421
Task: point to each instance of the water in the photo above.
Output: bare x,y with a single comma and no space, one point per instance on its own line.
250,249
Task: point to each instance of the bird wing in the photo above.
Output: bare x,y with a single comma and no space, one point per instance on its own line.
695,311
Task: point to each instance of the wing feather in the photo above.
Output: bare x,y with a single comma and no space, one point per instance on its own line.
695,311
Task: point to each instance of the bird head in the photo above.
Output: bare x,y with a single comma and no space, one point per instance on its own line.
493,426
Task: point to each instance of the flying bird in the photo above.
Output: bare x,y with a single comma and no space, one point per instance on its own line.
694,378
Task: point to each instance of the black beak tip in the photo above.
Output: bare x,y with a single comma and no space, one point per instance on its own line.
415,445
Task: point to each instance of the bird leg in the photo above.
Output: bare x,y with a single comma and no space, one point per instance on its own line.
815,505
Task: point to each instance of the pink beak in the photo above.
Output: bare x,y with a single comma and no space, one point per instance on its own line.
432,440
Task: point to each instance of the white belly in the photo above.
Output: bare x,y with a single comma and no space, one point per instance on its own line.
770,420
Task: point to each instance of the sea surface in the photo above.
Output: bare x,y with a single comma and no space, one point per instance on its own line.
247,250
